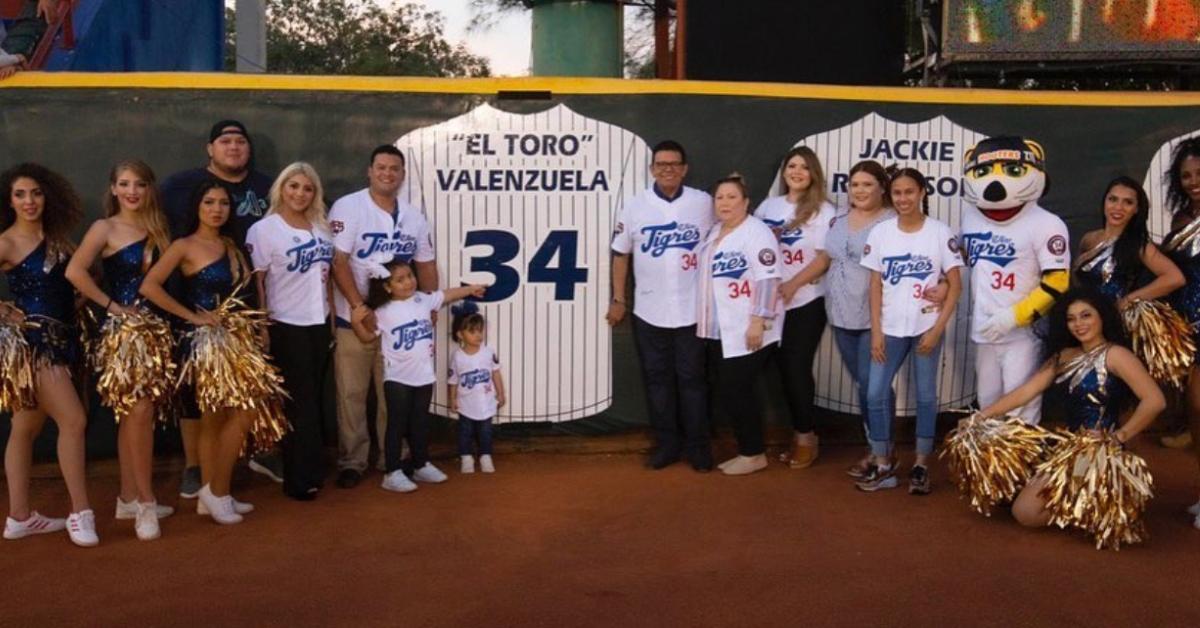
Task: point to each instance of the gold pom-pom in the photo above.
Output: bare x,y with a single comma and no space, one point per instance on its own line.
1162,339
992,459
18,390
133,360
230,370
1097,486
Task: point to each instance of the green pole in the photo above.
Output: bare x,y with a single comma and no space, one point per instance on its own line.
578,38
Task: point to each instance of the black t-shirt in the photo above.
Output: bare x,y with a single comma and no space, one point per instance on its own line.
251,198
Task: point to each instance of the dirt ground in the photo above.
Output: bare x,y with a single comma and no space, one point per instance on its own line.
598,540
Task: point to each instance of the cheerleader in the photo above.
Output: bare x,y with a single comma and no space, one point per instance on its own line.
800,217
737,312
1183,245
39,210
1084,357
212,266
291,249
129,237
1111,258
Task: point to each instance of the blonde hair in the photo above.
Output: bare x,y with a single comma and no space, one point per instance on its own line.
316,212
815,196
150,215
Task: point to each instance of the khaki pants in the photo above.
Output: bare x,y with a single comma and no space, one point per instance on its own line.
355,365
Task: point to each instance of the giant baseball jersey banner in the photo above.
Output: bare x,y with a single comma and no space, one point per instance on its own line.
526,204
936,148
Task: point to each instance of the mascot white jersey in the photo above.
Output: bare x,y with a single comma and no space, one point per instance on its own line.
1020,263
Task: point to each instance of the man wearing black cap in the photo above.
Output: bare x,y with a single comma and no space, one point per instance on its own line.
230,158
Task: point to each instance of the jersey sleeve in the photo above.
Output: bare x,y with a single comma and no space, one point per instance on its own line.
259,246
452,375
424,241
870,258
343,225
622,241
436,299
951,251
763,255
821,229
1053,250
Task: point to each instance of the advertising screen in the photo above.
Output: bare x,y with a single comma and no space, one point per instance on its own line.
1070,30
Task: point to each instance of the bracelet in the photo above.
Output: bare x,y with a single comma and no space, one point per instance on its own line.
109,305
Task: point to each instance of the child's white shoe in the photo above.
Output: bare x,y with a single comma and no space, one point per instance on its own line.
81,527
468,465
486,465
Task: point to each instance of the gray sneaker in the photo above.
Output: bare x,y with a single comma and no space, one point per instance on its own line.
877,478
918,481
268,464
189,483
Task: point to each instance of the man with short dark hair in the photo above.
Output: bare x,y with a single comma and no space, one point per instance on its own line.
662,227
371,225
230,159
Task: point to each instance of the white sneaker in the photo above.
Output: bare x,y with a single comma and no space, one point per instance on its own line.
468,464
35,524
1194,509
1196,522
129,510
219,508
397,482
241,508
146,524
81,527
429,474
486,465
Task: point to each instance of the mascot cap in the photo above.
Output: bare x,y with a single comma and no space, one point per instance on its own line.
1005,148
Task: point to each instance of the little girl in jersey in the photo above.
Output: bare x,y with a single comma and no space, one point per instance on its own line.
401,318
476,389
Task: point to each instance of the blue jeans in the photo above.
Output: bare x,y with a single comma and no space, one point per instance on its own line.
470,430
881,399
854,345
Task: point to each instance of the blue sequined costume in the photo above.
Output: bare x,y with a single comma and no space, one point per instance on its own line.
40,288
1184,248
1098,269
204,290
1091,392
123,272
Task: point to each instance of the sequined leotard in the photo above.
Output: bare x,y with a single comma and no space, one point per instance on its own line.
1089,388
1098,268
207,288
40,288
123,272
1184,248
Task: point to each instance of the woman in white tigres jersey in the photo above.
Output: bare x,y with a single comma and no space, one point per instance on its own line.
800,217
737,311
291,249
906,257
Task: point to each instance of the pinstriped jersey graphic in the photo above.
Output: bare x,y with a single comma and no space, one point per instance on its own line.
935,147
526,204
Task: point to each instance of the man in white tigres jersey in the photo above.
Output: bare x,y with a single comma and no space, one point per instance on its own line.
661,228
1019,260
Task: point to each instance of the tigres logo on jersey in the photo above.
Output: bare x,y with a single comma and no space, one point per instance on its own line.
1003,174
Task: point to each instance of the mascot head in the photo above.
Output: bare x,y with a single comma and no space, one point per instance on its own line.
1003,174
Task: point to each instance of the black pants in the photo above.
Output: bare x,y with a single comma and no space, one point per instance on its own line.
737,396
302,354
802,331
407,419
672,363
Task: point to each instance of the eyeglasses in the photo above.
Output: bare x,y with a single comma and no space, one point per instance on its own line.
668,165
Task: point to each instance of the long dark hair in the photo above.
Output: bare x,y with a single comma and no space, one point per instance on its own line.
1177,197
1056,336
1127,250
377,292
237,262
815,196
62,211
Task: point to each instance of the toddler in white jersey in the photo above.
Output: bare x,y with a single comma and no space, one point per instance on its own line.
476,389
401,320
